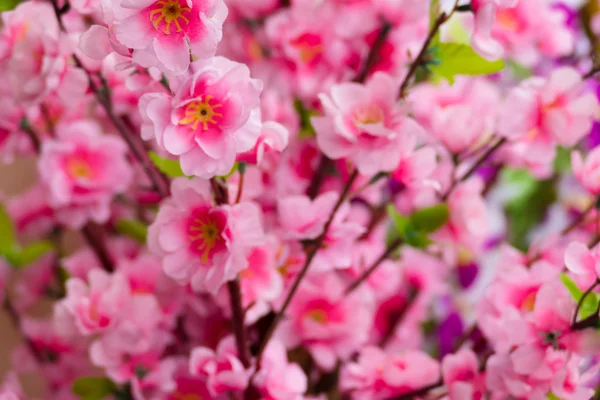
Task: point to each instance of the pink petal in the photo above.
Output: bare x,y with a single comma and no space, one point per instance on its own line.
578,259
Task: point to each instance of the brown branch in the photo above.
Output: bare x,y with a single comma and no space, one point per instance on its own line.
313,248
475,166
398,317
591,72
95,239
384,256
577,221
159,181
237,321
373,55
440,20
318,177
575,325
33,136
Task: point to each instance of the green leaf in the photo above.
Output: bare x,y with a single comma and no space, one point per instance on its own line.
405,229
135,229
460,59
169,167
552,396
7,233
519,71
590,303
306,128
30,253
7,5
430,219
92,388
562,161
528,208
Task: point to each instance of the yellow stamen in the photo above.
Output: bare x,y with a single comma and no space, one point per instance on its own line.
201,112
171,12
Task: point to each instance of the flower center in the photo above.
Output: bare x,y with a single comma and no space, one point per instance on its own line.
318,316
309,47
201,112
79,168
369,114
205,232
169,11
529,302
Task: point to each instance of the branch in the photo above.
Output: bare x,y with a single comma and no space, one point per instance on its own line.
313,249
475,166
16,319
387,253
589,321
373,55
159,181
237,314
96,241
441,19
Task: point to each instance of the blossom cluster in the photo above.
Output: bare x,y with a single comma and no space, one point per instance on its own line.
301,200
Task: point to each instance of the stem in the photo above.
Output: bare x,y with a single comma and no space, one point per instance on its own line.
238,197
237,313
441,19
219,189
591,72
577,221
373,55
318,177
313,249
35,139
398,317
387,253
159,181
574,323
475,166
96,241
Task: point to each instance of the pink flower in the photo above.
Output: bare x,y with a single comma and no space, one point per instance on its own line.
524,29
99,306
460,115
303,218
588,171
379,375
330,324
33,55
261,283
273,139
83,171
277,379
461,376
549,110
223,370
200,242
213,117
364,124
485,15
163,34
582,261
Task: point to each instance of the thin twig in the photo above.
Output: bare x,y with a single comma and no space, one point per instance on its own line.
373,55
159,181
238,197
475,166
574,322
591,72
318,177
35,139
577,221
398,317
440,20
313,249
96,241
384,256
237,320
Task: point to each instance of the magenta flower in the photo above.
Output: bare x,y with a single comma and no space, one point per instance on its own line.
364,124
213,117
83,171
200,242
223,370
164,33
